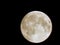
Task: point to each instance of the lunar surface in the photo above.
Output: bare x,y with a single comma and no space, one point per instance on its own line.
36,26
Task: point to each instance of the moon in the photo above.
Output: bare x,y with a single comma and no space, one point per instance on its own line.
36,26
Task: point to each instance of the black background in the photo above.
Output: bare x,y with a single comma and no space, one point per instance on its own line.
46,6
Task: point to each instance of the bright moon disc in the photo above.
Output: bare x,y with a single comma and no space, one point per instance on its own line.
36,26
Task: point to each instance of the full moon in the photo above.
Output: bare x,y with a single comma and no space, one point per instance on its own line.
36,26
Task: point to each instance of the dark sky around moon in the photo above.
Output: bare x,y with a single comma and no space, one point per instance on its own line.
46,6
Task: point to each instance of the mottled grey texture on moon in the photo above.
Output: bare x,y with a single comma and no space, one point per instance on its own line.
36,26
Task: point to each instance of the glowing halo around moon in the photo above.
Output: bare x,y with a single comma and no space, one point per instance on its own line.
36,26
